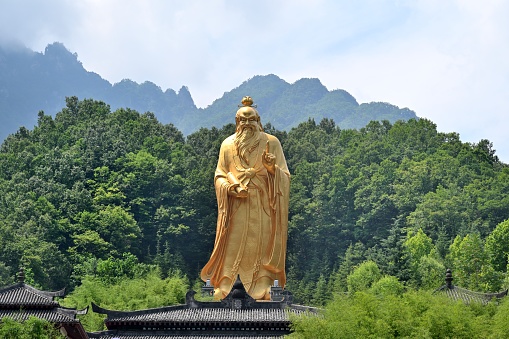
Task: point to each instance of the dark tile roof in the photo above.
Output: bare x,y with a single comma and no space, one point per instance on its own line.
236,316
458,293
207,315
237,308
207,320
206,312
21,301
55,315
467,296
23,295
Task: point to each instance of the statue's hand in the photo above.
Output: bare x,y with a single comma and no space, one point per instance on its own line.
237,191
269,160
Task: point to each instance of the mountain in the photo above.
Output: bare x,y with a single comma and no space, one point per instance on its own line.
32,81
285,105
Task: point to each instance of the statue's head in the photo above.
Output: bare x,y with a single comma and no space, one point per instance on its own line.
247,116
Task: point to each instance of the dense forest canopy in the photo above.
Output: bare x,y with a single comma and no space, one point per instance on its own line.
95,193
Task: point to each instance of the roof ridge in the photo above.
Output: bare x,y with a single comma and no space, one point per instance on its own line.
11,287
23,295
47,294
98,309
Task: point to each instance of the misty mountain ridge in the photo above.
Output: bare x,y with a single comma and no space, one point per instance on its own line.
32,81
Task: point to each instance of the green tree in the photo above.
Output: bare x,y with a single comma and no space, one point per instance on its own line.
471,266
413,314
446,208
353,257
430,273
363,277
387,285
426,270
33,328
148,291
418,245
497,246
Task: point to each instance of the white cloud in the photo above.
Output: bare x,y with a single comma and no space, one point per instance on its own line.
444,59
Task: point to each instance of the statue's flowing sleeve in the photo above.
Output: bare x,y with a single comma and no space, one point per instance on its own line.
211,270
279,194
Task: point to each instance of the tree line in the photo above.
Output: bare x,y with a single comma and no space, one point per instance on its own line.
95,194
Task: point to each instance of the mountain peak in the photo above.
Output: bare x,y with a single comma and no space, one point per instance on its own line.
184,98
30,82
58,50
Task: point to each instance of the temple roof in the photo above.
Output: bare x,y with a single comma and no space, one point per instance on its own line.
458,293
22,301
24,296
467,296
56,315
236,316
176,314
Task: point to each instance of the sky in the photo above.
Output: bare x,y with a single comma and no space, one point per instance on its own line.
447,60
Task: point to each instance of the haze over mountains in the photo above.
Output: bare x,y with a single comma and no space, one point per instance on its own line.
32,81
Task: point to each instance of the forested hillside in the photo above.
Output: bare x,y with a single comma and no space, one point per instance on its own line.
116,194
31,81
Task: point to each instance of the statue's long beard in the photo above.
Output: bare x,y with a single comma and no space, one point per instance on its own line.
246,141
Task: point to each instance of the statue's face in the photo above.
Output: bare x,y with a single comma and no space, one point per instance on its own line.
247,118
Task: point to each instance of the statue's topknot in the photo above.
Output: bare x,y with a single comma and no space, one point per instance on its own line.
247,101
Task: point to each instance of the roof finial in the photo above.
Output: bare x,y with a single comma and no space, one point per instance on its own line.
21,275
448,278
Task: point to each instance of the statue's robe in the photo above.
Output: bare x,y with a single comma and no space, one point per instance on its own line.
251,232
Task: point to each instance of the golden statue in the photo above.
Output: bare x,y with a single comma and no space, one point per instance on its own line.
252,185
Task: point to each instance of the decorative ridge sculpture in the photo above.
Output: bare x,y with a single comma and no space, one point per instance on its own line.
458,293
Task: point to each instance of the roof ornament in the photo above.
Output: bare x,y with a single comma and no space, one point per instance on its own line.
238,298
21,275
448,278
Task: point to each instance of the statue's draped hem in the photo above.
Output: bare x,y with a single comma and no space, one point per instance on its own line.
279,189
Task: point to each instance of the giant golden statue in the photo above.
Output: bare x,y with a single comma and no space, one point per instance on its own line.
252,185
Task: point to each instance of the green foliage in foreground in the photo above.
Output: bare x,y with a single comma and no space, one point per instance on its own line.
127,294
33,328
414,314
379,307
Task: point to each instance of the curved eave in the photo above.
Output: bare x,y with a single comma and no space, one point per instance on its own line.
459,293
47,294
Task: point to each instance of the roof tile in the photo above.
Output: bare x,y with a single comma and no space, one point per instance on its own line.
210,315
22,295
56,315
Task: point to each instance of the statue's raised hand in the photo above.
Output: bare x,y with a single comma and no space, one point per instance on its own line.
269,160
